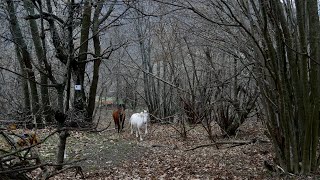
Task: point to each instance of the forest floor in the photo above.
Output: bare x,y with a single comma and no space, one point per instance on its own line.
163,154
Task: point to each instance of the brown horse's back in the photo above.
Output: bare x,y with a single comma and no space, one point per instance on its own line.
119,116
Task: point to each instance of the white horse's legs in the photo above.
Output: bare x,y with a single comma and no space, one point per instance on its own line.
146,129
140,134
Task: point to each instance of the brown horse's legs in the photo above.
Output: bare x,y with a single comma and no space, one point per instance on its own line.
116,126
122,121
119,123
119,117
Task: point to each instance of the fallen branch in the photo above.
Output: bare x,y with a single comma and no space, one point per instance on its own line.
78,170
95,130
40,142
28,168
28,147
235,143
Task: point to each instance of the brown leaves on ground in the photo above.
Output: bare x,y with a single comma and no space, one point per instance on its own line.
162,155
165,155
166,158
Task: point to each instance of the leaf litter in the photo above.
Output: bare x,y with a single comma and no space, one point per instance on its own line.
162,155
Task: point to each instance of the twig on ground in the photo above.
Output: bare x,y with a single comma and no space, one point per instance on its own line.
77,168
103,129
38,166
235,143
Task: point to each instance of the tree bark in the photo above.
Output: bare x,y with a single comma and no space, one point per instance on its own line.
41,56
312,8
80,66
97,62
25,86
22,46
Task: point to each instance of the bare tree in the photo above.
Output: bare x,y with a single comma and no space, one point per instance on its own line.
41,54
26,58
285,69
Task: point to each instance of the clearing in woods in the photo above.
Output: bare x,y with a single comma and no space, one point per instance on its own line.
164,154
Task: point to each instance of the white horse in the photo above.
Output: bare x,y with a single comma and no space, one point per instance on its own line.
137,120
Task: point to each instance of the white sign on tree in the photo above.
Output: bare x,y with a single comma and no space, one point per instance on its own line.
77,87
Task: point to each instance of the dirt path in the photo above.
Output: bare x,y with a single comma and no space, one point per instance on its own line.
111,154
162,155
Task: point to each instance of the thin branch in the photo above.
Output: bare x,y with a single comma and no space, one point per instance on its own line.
235,143
106,16
46,16
39,166
20,75
78,171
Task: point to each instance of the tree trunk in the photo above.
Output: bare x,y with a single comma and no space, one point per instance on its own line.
25,86
80,66
22,46
310,158
96,65
294,122
63,134
41,56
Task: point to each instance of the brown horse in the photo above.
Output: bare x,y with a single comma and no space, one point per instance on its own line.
119,116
